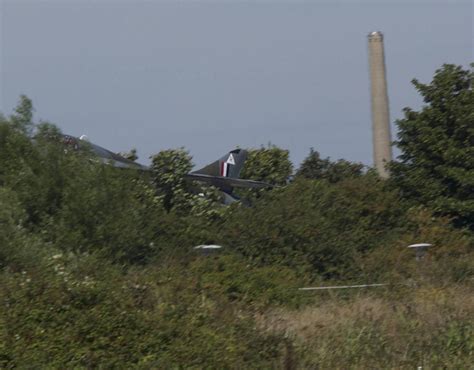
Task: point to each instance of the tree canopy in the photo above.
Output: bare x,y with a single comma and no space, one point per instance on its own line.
316,168
436,165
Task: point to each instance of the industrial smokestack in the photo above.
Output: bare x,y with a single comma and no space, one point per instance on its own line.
379,102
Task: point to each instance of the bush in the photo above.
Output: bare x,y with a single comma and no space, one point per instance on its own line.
316,224
81,312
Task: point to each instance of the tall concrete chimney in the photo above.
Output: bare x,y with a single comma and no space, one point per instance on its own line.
379,102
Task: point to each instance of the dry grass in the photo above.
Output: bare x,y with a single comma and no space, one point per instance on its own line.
426,326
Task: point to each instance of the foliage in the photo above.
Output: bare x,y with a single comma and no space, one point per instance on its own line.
98,270
436,167
270,164
22,119
316,225
404,328
82,312
118,217
75,204
22,164
446,262
256,287
316,168
15,244
169,168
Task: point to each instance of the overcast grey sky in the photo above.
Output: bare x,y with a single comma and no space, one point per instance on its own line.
211,75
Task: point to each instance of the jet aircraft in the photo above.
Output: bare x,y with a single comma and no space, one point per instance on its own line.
224,174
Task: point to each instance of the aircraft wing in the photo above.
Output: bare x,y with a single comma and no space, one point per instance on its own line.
115,159
226,182
103,155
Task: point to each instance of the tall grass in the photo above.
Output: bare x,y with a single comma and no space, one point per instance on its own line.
429,326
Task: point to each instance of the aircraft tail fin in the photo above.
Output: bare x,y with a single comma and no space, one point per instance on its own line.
229,165
224,175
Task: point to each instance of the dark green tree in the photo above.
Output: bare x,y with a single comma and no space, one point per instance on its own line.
22,119
179,195
436,165
270,164
316,168
313,166
169,168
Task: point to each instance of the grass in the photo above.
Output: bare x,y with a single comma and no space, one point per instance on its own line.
428,326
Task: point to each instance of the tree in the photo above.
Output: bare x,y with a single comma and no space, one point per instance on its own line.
316,168
22,119
436,167
270,164
168,170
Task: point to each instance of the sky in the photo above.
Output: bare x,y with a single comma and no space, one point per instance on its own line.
213,75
